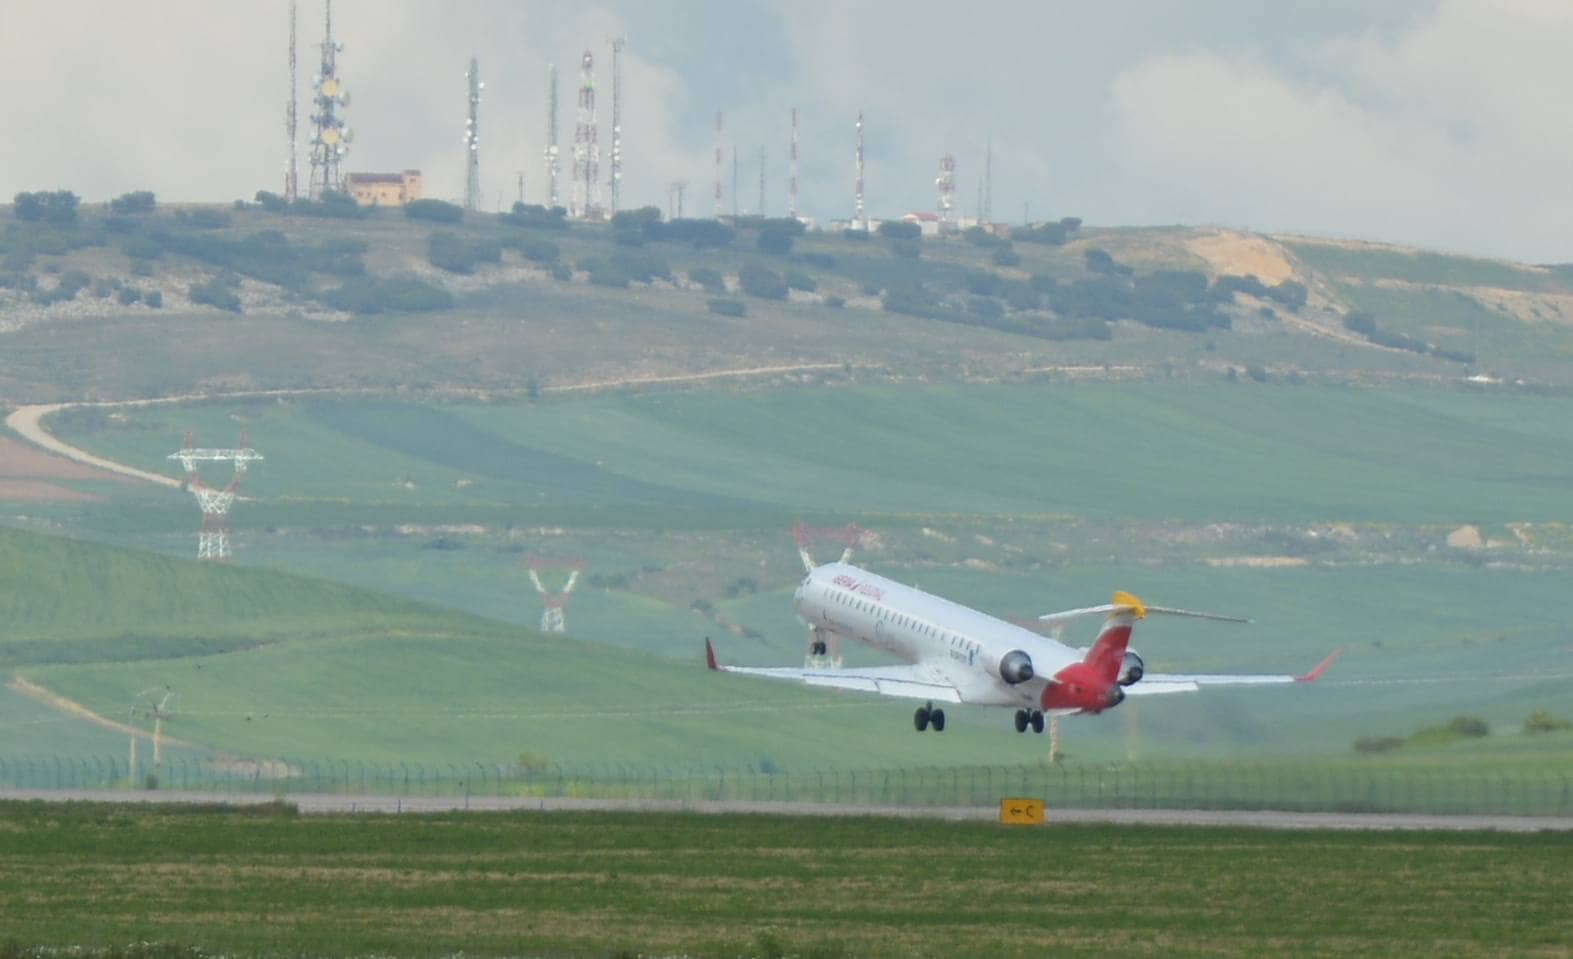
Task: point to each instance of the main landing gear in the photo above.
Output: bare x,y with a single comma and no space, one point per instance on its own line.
1025,719
926,716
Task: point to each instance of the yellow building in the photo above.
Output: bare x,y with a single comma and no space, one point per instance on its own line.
384,189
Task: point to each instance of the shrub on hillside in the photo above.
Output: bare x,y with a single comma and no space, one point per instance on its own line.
1101,262
457,254
391,294
271,202
1542,721
138,201
154,299
700,234
1290,293
537,249
1006,256
756,280
333,205
983,282
907,249
798,280
215,292
44,206
435,211
640,266
900,230
725,306
203,218
66,288
1360,322
536,217
711,280
1021,296
1378,744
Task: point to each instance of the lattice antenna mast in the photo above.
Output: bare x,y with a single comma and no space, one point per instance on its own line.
472,138
792,170
718,164
552,603
674,199
586,149
617,121
552,166
761,210
736,196
945,188
988,182
330,138
857,197
213,539
292,141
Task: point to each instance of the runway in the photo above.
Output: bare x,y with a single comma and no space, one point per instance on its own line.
336,804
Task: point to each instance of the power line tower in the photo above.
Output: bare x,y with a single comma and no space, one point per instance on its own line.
792,170
945,187
586,149
718,164
553,602
213,540
552,168
617,121
330,138
291,174
158,712
472,139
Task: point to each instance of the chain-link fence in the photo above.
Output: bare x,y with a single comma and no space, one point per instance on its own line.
1308,787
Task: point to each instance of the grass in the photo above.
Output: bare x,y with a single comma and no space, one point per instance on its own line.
1243,452
1370,262
266,882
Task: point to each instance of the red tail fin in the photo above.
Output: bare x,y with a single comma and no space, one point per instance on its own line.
1109,651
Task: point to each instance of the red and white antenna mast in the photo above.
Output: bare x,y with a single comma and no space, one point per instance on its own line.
857,197
291,174
718,164
213,540
553,602
792,170
945,187
586,149
552,168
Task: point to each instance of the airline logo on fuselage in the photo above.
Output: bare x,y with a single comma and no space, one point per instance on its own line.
862,589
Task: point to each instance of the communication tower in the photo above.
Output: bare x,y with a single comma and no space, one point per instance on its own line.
987,211
792,170
553,602
586,150
858,221
736,195
330,138
674,199
945,187
761,210
718,164
552,167
472,139
617,121
291,175
213,540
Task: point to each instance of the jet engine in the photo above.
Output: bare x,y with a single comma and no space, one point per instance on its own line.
1015,667
1131,669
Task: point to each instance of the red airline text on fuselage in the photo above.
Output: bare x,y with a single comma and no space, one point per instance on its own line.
862,589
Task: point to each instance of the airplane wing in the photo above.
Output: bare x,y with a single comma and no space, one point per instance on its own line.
907,682
1155,684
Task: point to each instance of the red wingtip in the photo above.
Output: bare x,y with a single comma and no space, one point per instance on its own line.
1319,668
710,656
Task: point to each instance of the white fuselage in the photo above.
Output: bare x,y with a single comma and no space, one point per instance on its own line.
959,644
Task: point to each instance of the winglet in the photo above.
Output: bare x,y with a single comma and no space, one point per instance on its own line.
1319,668
710,656
1125,602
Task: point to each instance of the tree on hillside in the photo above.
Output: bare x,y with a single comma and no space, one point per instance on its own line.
139,201
899,230
58,207
756,280
437,211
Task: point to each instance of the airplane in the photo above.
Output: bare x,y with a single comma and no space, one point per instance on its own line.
956,654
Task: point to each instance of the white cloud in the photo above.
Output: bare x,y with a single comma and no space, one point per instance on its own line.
1449,135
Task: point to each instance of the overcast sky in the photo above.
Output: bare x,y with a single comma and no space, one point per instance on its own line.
1442,124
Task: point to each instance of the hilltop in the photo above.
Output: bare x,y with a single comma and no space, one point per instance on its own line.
134,299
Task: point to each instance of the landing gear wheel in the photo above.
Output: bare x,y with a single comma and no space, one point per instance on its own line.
937,717
920,719
818,647
1037,721
1021,720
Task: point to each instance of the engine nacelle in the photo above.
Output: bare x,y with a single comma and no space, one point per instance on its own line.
1015,667
1131,669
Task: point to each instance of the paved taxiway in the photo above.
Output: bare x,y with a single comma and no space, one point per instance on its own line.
323,803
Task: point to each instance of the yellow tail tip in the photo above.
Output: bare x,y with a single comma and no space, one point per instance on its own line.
1124,599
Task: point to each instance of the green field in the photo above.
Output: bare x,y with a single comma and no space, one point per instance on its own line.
267,883
1016,499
